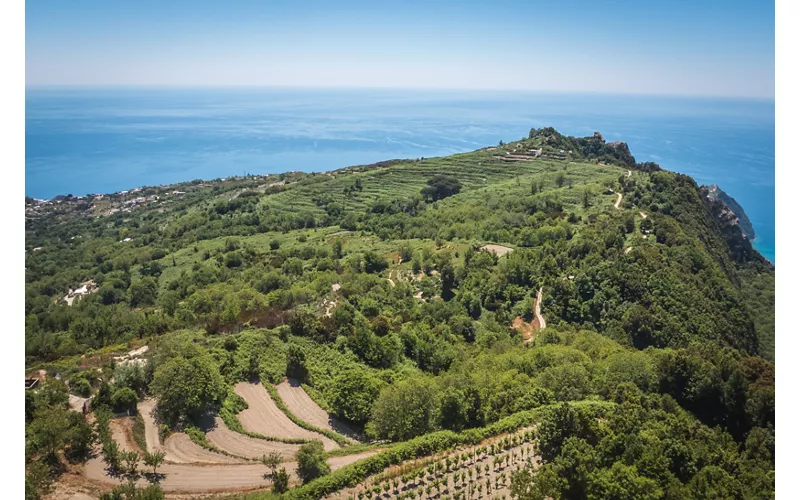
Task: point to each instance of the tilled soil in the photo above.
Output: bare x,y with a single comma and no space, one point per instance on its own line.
239,444
306,409
180,449
264,417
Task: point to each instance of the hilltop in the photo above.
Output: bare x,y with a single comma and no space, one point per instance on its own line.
551,295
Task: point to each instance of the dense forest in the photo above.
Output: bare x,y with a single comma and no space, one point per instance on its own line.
403,297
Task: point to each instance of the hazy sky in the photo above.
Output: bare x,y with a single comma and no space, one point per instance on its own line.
723,48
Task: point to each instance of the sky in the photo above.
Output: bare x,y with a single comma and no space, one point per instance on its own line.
704,48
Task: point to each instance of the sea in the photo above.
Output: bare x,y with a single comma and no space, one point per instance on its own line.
101,140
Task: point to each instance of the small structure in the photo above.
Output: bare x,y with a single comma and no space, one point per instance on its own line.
31,383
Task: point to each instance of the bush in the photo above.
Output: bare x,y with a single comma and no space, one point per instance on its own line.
311,462
81,387
124,399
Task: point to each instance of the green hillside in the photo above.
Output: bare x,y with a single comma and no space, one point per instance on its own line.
372,285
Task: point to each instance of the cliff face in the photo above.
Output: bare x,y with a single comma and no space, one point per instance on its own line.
731,225
714,193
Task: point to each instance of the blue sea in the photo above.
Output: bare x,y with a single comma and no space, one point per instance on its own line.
82,141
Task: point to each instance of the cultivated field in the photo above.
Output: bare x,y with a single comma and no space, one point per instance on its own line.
306,409
245,446
264,417
475,472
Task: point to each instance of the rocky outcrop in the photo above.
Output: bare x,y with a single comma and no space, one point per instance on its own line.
713,192
730,224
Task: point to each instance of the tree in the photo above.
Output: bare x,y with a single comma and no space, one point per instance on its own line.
143,292
154,459
440,186
124,400
311,462
186,387
272,461
374,263
560,179
49,430
354,392
129,491
404,410
296,363
131,459
280,481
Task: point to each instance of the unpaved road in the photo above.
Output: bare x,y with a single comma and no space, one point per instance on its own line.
214,478
146,408
119,434
239,444
644,215
306,409
264,417
628,250
629,173
619,200
538,309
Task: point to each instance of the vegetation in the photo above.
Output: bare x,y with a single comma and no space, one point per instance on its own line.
653,376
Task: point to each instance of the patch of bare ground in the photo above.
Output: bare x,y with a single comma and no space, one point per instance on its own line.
146,409
122,433
213,478
306,409
239,444
180,449
499,250
264,417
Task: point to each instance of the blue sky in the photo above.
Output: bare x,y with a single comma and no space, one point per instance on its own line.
717,48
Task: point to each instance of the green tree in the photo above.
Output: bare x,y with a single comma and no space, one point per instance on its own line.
280,481
184,388
405,410
440,186
311,462
143,292
154,459
124,400
353,393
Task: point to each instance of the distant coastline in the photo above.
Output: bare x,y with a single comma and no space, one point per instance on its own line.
101,142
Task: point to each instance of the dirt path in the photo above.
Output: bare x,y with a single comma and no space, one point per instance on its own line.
628,250
306,409
239,444
76,403
629,173
147,410
644,215
264,417
188,478
619,200
538,309
120,435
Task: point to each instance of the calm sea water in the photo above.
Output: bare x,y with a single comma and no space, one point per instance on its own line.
83,141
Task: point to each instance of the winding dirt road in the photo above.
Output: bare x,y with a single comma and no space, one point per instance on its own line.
538,309
264,417
619,200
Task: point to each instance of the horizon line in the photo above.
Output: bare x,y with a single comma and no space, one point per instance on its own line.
153,86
